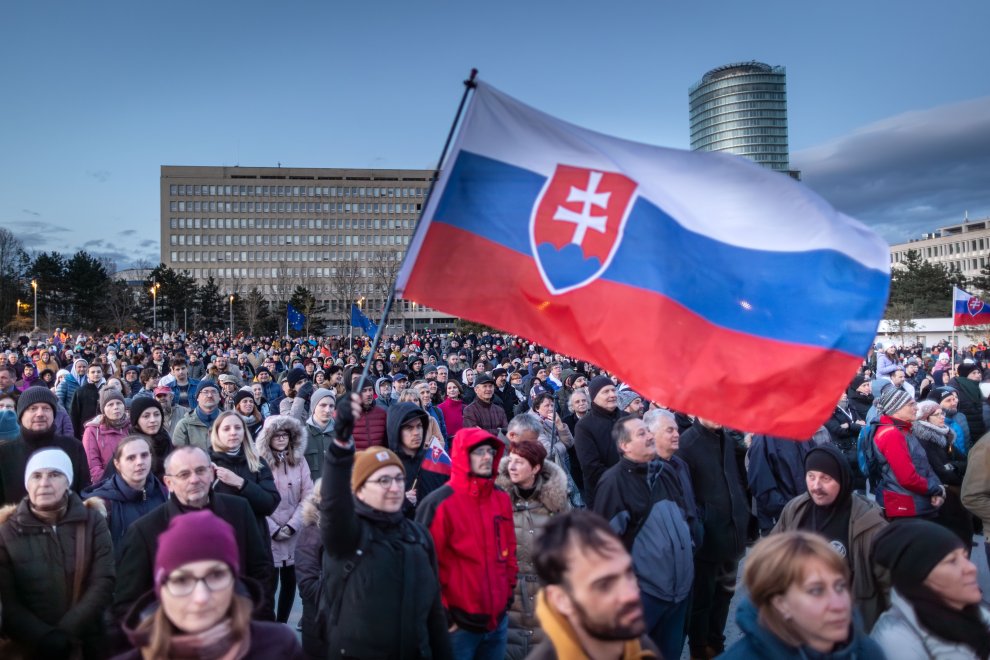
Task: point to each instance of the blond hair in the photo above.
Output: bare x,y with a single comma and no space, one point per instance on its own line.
779,561
247,443
160,630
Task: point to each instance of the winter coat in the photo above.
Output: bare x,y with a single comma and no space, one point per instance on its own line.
293,482
869,581
596,450
125,505
654,529
14,455
37,576
453,415
100,441
63,423
970,405
141,542
309,577
472,526
775,475
718,488
844,437
85,406
259,487
66,391
191,430
760,642
530,515
317,441
907,482
902,638
975,491
268,640
426,468
381,596
488,416
369,430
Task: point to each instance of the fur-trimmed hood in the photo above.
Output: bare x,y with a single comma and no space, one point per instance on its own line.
95,503
311,506
551,485
298,438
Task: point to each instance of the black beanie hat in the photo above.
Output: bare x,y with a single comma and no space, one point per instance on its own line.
823,461
596,384
967,367
911,548
241,395
33,395
139,405
295,375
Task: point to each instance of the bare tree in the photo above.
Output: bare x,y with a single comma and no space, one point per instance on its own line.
120,305
345,287
252,306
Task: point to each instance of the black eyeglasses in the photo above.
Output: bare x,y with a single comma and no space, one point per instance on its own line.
386,481
184,584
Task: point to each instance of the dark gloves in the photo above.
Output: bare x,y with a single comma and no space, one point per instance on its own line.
306,391
344,427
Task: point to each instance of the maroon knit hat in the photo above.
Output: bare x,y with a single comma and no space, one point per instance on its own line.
195,536
532,451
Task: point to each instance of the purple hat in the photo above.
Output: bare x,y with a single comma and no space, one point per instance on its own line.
195,536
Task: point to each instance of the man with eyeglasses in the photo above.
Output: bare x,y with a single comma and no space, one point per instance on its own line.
380,587
189,477
473,529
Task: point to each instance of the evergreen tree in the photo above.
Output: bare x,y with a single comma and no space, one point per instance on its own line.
923,288
210,304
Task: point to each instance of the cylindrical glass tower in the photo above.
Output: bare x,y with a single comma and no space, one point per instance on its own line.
742,108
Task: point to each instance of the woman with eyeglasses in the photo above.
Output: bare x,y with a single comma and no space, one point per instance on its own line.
940,444
197,608
282,444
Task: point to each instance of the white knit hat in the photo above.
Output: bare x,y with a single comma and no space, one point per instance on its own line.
48,459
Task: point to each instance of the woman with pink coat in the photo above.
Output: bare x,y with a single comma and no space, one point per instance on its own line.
103,433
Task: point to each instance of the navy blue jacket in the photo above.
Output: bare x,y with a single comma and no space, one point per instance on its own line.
125,504
775,475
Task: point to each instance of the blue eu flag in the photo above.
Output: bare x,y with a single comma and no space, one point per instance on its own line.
296,318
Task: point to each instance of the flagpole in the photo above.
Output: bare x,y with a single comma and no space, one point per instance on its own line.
469,85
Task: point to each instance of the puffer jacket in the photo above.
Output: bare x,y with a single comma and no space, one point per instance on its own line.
293,482
37,574
125,505
100,441
907,482
902,638
309,575
369,430
760,642
530,515
472,526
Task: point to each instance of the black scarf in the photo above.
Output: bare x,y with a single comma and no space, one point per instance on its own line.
965,626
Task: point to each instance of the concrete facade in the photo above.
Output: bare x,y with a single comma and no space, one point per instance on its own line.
962,248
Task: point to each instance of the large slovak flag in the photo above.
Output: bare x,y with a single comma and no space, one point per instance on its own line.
968,309
708,283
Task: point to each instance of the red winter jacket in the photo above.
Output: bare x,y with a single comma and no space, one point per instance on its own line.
475,537
369,430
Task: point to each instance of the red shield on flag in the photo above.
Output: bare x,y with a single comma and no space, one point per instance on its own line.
577,224
975,305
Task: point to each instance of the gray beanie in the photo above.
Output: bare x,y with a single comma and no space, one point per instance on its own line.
33,395
319,395
892,400
626,397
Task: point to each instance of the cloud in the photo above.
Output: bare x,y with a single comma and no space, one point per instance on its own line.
910,173
148,243
128,232
30,212
100,175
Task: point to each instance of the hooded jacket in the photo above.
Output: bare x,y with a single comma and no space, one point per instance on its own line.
472,526
530,515
125,505
37,573
760,642
901,636
100,441
293,482
907,482
870,583
425,470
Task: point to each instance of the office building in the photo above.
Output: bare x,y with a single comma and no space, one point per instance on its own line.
962,248
742,109
340,233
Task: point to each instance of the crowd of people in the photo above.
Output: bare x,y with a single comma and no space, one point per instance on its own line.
472,496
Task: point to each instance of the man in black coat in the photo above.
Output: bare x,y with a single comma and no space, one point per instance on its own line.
189,475
596,451
718,488
86,401
36,410
967,385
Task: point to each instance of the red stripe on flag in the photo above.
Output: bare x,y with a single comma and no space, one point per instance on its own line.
982,318
685,362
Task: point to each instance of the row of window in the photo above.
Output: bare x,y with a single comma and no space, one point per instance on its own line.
190,190
757,144
731,99
288,239
289,223
737,86
197,256
743,127
946,249
296,207
730,110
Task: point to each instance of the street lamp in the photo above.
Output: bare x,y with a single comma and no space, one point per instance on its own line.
154,306
34,285
231,316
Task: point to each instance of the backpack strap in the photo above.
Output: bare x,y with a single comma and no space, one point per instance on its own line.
77,579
